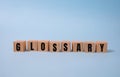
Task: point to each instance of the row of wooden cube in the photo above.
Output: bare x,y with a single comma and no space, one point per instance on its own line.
44,45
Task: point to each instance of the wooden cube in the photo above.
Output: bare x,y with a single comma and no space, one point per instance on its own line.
77,46
43,45
54,46
19,45
89,46
32,45
101,46
65,46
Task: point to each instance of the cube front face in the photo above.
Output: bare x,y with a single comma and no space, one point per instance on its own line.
89,46
32,45
19,46
54,46
77,46
65,46
101,46
43,45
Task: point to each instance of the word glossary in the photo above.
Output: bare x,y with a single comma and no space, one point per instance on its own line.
59,46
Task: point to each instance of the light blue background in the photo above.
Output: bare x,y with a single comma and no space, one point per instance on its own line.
84,20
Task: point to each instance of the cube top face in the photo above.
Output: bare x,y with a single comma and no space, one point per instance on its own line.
101,46
19,41
50,41
66,46
89,46
101,41
43,40
32,45
77,46
54,46
32,40
19,45
43,45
